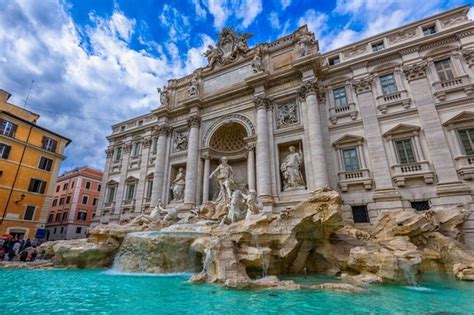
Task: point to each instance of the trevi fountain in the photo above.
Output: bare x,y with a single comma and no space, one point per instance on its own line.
235,195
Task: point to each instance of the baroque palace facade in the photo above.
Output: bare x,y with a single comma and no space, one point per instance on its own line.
387,121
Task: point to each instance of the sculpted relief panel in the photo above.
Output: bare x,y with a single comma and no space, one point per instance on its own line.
180,142
287,114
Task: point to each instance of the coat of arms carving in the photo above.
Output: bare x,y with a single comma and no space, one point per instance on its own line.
229,47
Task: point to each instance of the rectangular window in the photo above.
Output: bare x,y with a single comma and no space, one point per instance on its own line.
7,128
428,30
62,229
49,144
388,84
61,201
155,145
149,189
72,185
78,230
334,61
65,216
360,214
57,188
99,187
405,151
110,194
50,218
68,199
45,164
351,160
130,192
55,230
118,154
4,150
37,186
467,140
340,98
136,149
378,46
88,185
85,200
29,213
443,68
58,217
94,202
81,216
55,202
65,186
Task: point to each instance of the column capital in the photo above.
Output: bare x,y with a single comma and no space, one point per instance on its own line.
251,146
162,130
363,85
194,121
262,102
147,142
127,147
109,152
415,71
313,87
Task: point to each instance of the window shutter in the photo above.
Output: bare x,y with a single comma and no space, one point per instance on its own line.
55,143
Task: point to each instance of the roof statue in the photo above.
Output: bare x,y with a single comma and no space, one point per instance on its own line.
229,47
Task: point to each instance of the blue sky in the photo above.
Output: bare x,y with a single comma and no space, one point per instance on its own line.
96,63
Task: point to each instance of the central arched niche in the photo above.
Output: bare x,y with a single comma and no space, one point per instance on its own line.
229,140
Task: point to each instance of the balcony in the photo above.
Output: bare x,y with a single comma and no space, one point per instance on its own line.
128,204
108,207
342,111
465,167
393,99
360,177
402,172
462,83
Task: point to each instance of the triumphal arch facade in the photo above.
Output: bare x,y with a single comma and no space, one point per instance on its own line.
387,121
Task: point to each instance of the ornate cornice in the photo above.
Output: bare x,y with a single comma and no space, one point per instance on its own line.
415,71
262,102
363,85
194,121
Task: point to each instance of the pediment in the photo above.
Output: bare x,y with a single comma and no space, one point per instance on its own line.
462,117
112,182
402,129
348,139
131,179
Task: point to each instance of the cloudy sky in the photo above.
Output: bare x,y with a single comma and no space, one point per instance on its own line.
96,63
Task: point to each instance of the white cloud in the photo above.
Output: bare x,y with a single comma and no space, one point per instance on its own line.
285,4
248,10
85,79
470,14
177,24
243,10
274,20
316,21
199,10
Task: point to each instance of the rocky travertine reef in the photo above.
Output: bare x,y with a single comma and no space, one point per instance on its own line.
308,238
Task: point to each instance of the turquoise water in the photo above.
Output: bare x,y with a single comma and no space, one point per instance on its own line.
96,291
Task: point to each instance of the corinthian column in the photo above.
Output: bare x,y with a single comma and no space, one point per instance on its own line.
316,144
263,150
194,123
158,177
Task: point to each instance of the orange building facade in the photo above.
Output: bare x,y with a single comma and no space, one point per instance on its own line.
74,204
30,159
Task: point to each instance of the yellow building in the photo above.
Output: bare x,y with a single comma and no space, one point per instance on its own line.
30,159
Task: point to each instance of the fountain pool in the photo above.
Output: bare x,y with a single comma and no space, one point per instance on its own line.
99,291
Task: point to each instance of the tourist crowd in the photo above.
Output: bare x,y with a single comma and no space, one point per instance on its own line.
15,249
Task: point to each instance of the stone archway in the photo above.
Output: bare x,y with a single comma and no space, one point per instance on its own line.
229,138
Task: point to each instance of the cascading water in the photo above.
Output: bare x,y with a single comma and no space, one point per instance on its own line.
158,252
408,273
265,255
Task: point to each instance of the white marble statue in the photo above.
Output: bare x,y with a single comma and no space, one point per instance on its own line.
257,63
164,97
291,170
193,89
154,216
225,180
177,186
254,204
237,207
305,43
